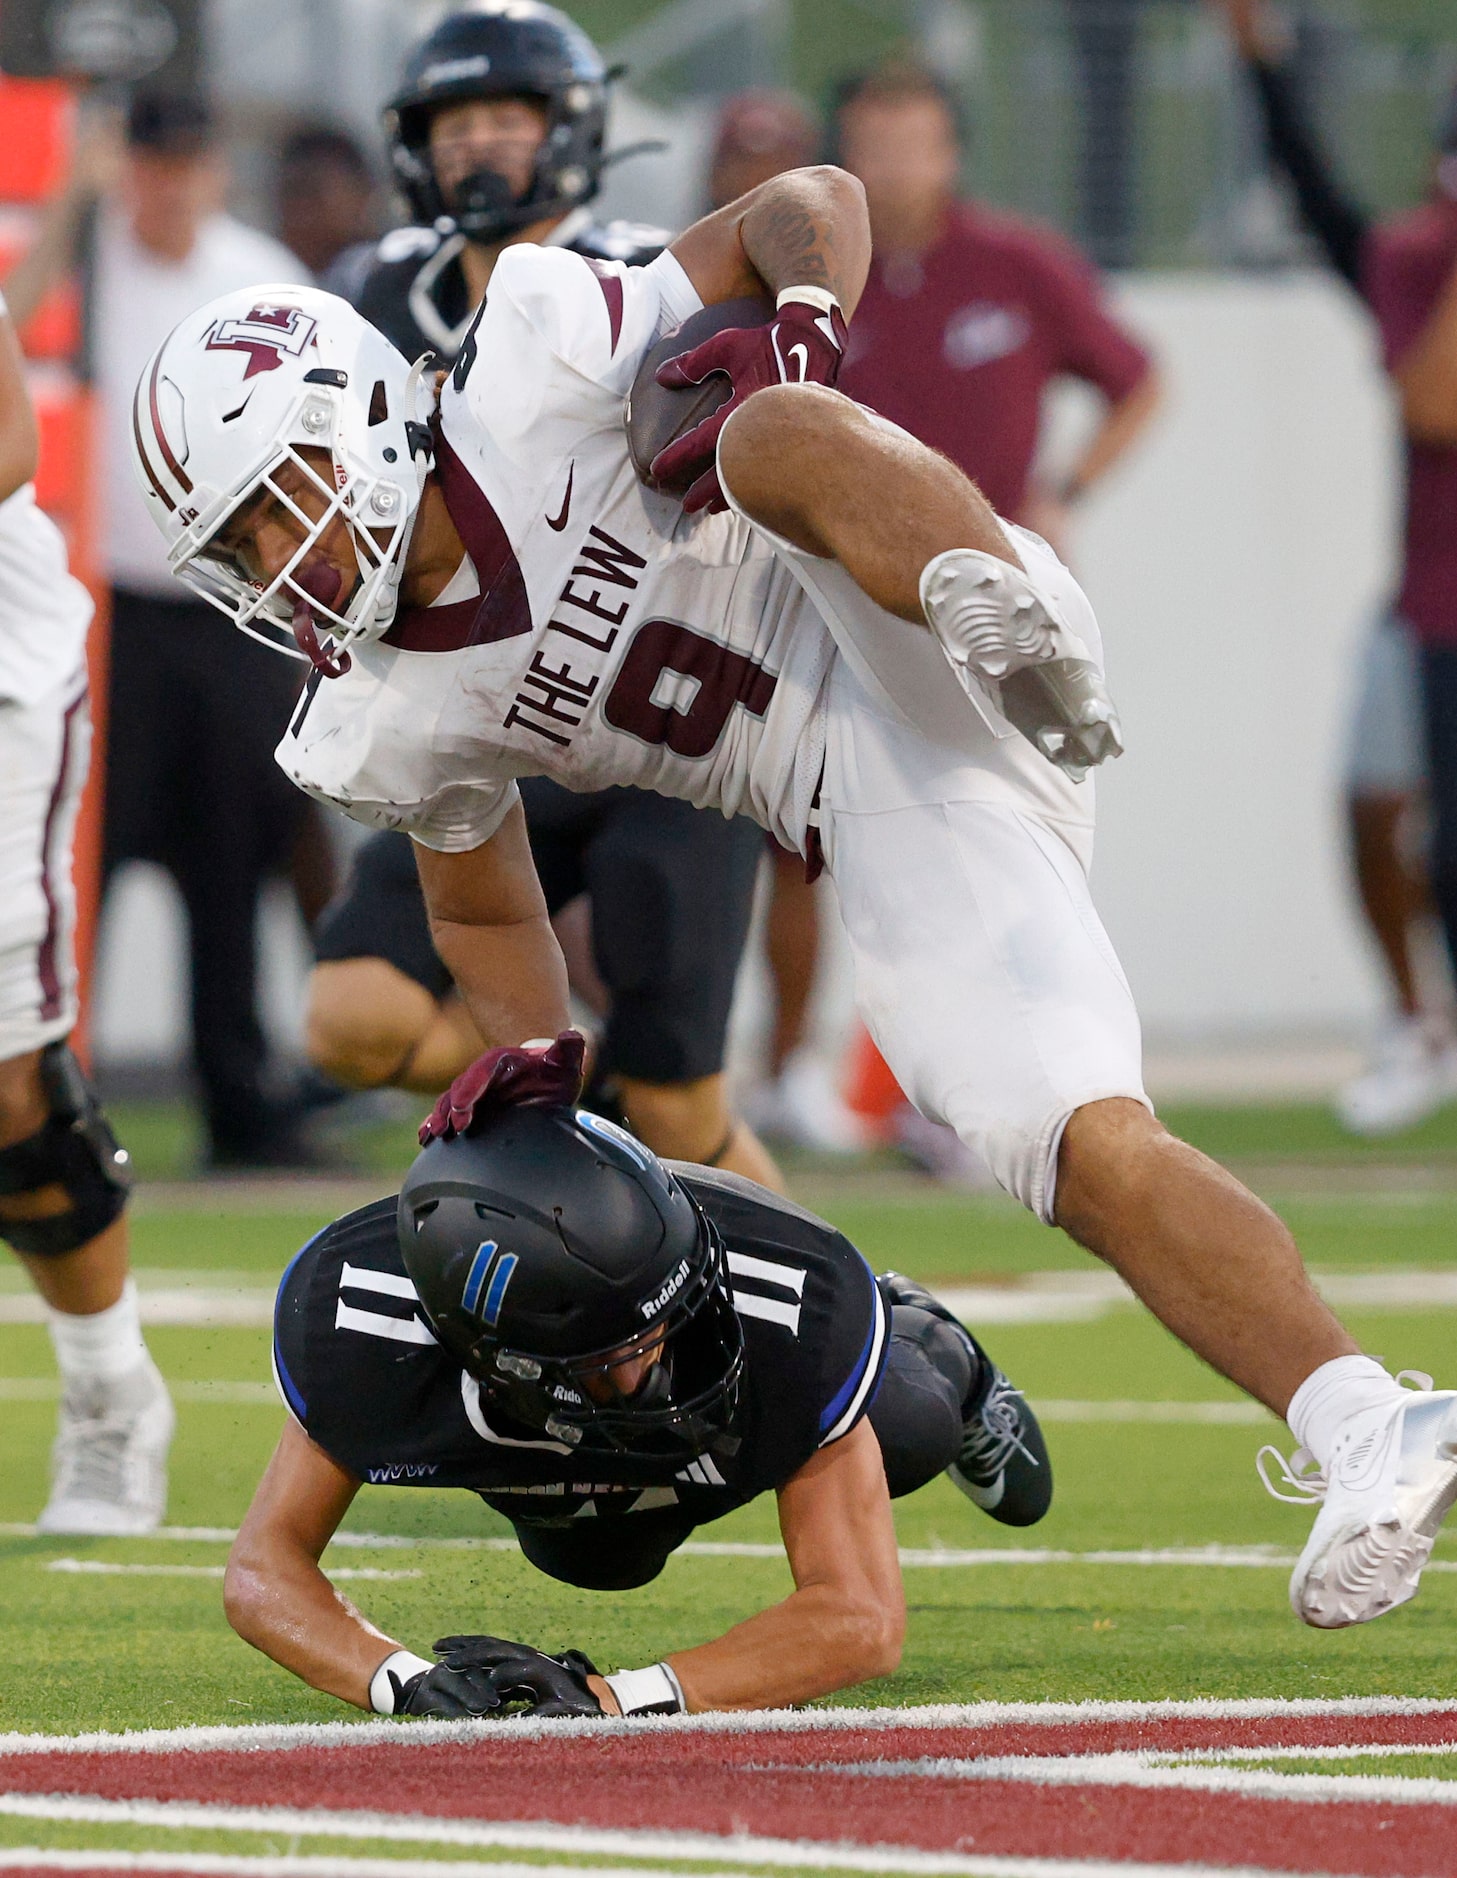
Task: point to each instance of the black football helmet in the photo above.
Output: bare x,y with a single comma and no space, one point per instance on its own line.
502,49
548,1246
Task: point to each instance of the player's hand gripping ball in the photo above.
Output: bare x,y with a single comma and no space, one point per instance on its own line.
692,381
529,1075
491,1676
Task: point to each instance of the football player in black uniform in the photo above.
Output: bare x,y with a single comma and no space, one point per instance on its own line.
496,136
611,1352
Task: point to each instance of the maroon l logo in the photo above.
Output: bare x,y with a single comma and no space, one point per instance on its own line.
265,333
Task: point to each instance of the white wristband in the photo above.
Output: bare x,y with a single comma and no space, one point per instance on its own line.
4,304
654,1691
810,296
390,1678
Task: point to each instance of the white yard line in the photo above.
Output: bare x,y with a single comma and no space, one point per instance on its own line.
737,1849
213,1865
267,1736
238,1300
1139,1769
264,1395
104,1568
912,1558
48,1389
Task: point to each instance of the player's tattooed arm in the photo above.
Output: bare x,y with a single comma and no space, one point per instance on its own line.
806,228
489,922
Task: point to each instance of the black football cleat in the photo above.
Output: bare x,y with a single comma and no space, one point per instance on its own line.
1003,1466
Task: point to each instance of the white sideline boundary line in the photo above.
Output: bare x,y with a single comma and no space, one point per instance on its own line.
738,1848
269,1737
210,1865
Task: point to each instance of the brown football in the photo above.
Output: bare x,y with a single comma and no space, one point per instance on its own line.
656,416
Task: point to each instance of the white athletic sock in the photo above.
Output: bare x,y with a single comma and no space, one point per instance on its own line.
102,1345
1338,1389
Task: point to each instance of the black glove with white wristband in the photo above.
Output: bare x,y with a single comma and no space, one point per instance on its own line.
493,1677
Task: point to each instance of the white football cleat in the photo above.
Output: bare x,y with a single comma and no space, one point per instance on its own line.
988,616
1015,658
1412,1073
1391,1481
109,1463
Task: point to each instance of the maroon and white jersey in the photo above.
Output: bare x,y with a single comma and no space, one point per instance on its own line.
594,634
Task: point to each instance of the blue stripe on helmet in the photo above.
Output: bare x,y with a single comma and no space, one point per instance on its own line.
476,1277
496,1296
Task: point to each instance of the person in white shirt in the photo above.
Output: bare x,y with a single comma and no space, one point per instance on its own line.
194,711
63,1179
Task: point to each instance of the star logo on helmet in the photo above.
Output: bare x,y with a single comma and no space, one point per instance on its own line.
267,333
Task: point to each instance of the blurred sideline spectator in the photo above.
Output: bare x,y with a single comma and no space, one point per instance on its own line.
195,708
326,194
968,317
1405,270
326,206
760,134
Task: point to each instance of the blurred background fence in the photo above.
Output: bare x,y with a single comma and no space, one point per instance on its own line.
1119,121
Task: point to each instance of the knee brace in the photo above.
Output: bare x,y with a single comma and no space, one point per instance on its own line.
75,1150
917,1413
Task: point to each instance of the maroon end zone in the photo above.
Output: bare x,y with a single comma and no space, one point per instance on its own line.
884,1783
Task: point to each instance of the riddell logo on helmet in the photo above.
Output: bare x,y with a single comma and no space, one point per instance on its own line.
669,1291
453,71
266,333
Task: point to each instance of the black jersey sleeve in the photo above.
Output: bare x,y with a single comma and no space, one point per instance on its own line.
359,1367
815,1327
1329,211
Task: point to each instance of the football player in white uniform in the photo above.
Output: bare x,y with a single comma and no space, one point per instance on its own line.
63,1179
833,634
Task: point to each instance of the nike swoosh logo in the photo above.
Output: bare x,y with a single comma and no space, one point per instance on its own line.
802,354
559,522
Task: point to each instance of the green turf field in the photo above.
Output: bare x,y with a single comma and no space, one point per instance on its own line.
149,1647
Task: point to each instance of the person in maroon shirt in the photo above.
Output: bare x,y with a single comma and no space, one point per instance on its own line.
1403,269
967,319
970,315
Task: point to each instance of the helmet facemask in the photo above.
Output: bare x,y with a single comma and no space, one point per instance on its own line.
684,1404
376,503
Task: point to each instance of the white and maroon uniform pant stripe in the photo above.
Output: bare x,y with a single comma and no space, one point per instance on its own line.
44,753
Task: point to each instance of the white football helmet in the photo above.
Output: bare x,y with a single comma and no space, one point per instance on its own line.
241,387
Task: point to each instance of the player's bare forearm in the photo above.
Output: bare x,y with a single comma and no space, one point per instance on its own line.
512,979
1426,375
1122,426
489,922
806,228
275,1595
844,1622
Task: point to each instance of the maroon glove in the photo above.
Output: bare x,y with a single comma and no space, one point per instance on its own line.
801,345
530,1076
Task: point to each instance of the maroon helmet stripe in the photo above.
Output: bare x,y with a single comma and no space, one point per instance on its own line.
611,285
503,611
143,458
52,866
166,449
